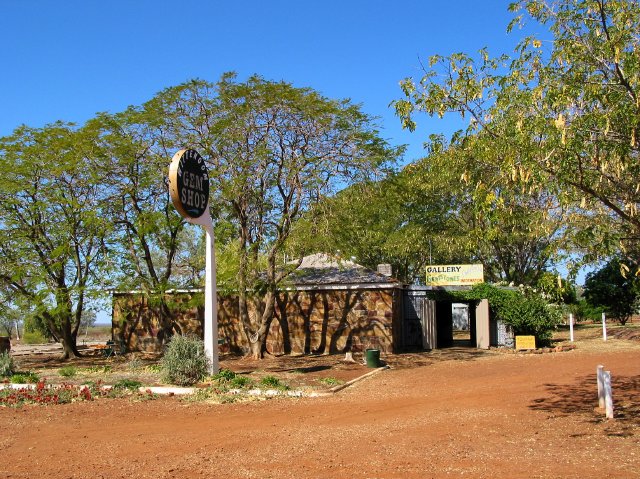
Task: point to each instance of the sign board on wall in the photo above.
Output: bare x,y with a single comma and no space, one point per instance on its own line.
454,274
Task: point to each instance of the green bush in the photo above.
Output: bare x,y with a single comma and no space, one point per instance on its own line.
184,362
25,378
7,366
129,384
33,337
67,371
529,313
273,382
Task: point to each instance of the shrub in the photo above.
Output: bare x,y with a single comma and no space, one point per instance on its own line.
129,384
273,382
25,378
7,366
241,382
33,337
529,313
184,362
67,371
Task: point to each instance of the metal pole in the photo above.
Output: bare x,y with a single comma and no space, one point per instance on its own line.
604,327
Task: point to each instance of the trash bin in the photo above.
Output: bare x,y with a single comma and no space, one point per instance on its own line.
373,358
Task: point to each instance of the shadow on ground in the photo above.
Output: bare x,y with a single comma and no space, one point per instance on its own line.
581,398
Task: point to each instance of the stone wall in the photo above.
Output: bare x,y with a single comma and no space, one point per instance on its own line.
305,322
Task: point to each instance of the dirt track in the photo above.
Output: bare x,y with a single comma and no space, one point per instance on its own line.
492,416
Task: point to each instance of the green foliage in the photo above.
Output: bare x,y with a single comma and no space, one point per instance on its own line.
227,379
614,289
583,311
224,374
33,337
184,363
529,314
559,116
129,384
331,381
556,290
273,382
67,371
7,365
25,378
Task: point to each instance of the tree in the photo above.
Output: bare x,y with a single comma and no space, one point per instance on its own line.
617,293
274,151
563,113
51,225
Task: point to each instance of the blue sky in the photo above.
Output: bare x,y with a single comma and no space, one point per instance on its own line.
68,60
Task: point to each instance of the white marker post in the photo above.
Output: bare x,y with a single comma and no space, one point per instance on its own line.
600,380
608,395
604,327
189,188
571,327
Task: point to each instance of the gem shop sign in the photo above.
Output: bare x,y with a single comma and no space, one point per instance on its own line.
189,183
189,189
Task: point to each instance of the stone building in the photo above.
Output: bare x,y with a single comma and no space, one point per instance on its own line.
328,306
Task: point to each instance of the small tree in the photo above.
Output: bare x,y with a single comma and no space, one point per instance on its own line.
615,292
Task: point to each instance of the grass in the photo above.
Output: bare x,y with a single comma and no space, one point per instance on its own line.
331,381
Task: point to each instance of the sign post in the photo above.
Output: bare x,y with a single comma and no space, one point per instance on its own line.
189,189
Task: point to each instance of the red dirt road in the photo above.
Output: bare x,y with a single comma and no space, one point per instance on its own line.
499,416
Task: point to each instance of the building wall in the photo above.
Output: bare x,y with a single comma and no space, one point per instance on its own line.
305,322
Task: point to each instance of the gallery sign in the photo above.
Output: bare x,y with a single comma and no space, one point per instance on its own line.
189,183
454,275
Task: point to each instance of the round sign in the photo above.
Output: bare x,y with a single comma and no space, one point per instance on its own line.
189,183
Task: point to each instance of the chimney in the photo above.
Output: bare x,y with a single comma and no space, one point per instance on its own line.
385,270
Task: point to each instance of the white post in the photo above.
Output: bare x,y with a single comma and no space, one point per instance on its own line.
211,304
608,396
604,327
17,332
571,327
600,379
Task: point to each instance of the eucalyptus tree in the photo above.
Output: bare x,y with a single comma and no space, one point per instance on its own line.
51,225
565,110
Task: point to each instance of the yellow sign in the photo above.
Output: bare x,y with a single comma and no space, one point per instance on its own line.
455,274
525,342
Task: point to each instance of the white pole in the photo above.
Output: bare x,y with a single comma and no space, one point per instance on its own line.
600,379
571,327
211,304
17,332
604,327
608,396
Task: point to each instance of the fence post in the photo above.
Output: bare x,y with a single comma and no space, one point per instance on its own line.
604,327
600,379
571,327
608,395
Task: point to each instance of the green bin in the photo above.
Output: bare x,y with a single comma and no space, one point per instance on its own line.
372,358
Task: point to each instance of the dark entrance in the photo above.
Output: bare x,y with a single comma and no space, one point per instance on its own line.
456,324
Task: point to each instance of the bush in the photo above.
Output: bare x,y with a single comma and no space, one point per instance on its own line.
184,362
67,371
7,366
529,314
33,337
25,378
